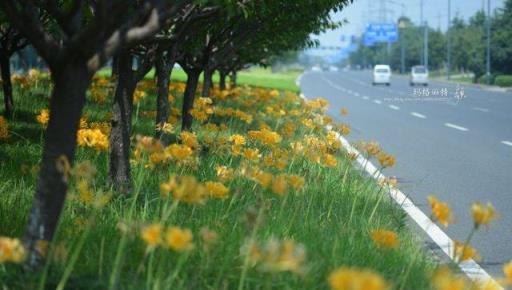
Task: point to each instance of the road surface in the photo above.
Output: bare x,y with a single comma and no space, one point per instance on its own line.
456,145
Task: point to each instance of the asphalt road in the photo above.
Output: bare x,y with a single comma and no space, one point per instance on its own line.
458,148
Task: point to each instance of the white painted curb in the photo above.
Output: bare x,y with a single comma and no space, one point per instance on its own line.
471,268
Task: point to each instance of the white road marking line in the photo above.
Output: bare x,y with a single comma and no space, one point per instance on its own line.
471,268
456,127
508,143
481,109
366,98
377,102
396,108
418,115
356,94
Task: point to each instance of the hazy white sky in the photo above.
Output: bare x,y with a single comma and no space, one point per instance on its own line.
435,12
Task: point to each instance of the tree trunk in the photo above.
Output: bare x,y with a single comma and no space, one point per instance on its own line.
119,163
207,83
188,99
7,85
67,101
233,79
113,73
222,80
163,74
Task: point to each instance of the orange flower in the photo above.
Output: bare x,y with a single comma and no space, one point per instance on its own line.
441,211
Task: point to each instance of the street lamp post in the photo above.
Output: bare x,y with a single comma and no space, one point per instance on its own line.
402,26
449,44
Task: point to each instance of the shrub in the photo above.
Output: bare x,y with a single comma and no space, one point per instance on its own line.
483,80
503,81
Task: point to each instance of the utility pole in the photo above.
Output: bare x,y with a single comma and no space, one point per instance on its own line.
448,36
488,65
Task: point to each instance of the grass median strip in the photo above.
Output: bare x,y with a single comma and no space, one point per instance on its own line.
259,196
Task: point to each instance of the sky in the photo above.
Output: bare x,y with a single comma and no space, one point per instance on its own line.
359,13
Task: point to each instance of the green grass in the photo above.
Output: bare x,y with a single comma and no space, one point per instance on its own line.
332,216
257,77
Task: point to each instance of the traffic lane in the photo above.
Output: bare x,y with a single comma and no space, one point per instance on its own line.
458,169
476,98
457,116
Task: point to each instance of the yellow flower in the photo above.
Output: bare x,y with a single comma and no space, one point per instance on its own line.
179,239
372,148
344,129
185,189
179,152
289,128
43,117
252,154
4,128
482,215
152,234
463,252
165,127
189,139
237,139
389,181
441,211
330,160
138,96
11,250
262,178
274,93
385,239
93,138
83,122
355,279
308,123
444,279
217,189
507,271
266,136
386,160
224,173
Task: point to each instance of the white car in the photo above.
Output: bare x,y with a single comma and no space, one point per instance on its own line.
333,68
316,68
382,75
419,76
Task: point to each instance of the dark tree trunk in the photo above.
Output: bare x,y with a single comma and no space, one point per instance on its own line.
7,85
207,83
222,80
233,79
115,68
119,171
67,101
163,67
188,99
